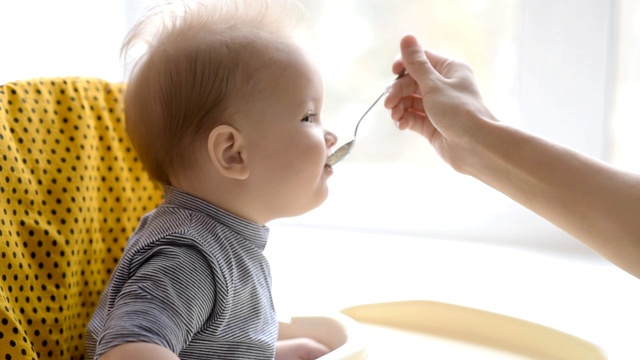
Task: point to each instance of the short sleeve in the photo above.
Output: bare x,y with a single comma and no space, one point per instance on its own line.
165,302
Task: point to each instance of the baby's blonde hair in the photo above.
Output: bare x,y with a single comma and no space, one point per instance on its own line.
202,60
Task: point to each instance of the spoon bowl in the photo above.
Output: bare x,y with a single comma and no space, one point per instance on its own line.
340,153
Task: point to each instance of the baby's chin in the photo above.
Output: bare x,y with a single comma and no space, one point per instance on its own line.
308,207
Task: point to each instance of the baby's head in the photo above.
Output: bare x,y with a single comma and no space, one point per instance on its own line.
225,105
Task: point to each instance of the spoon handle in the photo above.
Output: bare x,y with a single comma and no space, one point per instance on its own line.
355,132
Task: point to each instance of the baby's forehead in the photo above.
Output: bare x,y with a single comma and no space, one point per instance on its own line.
270,62
288,80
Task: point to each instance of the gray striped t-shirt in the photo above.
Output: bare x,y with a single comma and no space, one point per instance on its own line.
193,278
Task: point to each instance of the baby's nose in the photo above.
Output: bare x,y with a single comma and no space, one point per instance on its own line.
330,138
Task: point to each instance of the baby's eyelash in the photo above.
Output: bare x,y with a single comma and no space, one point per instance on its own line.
308,117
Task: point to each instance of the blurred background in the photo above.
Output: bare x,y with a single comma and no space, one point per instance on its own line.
567,70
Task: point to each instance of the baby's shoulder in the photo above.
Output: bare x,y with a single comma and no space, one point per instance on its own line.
169,226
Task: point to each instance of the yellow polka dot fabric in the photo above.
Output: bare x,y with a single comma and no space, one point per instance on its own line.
71,192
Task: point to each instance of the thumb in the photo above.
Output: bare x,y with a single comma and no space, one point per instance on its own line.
415,60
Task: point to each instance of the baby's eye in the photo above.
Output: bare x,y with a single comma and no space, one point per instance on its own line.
308,117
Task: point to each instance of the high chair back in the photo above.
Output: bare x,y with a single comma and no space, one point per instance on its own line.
71,192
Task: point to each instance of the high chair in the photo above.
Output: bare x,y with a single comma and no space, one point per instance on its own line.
71,192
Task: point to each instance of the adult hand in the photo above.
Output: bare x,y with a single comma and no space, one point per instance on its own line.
589,199
438,99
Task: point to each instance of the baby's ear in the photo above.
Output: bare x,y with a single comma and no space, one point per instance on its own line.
228,152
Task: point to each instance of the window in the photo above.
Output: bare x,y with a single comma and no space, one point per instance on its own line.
625,121
567,70
544,66
358,39
394,181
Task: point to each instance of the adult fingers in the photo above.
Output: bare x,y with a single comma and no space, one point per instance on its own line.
409,108
417,122
401,88
425,65
416,62
447,68
398,66
413,103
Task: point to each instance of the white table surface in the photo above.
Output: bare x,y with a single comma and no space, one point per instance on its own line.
318,271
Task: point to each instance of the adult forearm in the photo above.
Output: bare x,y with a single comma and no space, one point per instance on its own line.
591,200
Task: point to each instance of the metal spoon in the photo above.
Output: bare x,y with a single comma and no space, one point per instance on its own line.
345,149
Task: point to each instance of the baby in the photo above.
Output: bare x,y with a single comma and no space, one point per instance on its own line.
223,111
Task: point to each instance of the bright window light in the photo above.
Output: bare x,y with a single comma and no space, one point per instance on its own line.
394,181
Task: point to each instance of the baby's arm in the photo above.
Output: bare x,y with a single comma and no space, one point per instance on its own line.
139,351
167,299
300,349
292,349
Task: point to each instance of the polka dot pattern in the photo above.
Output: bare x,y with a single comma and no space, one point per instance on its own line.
71,192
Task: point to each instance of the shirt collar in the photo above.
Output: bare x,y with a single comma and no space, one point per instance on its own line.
255,234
